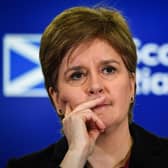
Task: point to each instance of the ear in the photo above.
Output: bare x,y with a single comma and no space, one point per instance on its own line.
133,84
55,99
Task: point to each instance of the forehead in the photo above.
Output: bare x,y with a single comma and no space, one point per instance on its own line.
96,49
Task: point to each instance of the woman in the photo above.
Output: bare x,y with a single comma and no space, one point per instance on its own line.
88,59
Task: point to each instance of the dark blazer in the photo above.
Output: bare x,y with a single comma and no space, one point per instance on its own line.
148,151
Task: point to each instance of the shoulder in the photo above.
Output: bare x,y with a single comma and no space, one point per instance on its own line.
148,149
137,129
140,135
43,158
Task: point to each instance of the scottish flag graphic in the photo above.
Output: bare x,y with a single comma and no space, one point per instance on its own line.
22,76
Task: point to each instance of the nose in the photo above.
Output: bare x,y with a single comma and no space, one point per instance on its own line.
95,91
95,86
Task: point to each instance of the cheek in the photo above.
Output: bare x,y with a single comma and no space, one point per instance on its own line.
73,96
122,93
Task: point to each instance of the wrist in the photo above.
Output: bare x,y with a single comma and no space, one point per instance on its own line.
75,158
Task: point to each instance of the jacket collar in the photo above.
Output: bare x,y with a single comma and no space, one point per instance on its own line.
147,148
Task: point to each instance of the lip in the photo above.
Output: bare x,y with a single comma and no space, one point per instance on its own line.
101,106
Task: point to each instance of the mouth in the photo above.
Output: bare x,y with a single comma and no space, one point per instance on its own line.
101,106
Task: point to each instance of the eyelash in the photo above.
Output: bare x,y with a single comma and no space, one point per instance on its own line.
78,75
75,74
113,69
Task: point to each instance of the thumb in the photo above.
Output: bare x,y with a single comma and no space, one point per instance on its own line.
94,133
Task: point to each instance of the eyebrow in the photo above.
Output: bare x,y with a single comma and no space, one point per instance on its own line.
73,68
110,61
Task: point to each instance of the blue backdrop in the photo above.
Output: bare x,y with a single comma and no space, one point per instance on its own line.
28,121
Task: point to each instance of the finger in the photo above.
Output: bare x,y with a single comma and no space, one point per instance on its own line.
89,104
100,125
67,109
94,133
93,121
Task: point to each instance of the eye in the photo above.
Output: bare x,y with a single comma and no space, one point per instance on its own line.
108,69
77,75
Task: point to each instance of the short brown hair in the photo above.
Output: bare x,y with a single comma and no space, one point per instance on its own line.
79,24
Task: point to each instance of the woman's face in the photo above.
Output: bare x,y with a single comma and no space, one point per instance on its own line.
95,69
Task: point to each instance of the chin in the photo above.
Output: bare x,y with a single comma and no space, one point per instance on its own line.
112,124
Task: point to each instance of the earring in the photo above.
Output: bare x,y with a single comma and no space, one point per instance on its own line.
60,112
132,99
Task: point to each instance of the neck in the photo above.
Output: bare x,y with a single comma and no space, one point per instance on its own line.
114,143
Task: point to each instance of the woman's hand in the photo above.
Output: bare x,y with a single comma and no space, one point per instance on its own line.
81,127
